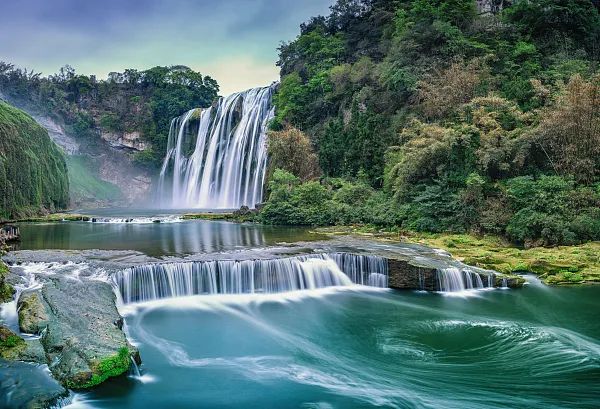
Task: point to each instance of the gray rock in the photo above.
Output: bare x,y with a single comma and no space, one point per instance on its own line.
33,316
83,330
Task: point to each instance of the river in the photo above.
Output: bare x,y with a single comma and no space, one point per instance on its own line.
354,347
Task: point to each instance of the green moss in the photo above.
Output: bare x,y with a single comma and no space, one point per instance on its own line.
107,368
555,265
33,173
6,290
11,345
56,217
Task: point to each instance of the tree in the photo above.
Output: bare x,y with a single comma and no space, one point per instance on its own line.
292,151
569,131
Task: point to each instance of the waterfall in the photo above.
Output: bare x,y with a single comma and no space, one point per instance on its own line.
454,279
156,281
216,158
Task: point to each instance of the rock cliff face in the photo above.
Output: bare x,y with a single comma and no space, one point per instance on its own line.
100,162
57,133
126,141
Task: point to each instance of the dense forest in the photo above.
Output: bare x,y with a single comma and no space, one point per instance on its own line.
33,173
131,101
431,115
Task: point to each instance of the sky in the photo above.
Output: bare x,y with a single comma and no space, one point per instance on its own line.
233,41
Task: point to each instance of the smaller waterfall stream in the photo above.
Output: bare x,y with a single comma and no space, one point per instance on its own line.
454,279
157,281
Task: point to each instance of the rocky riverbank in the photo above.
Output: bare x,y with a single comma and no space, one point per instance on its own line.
70,323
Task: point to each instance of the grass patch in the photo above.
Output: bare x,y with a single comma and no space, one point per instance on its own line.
11,345
557,265
57,217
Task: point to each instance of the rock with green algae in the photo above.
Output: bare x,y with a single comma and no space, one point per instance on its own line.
11,345
6,290
32,313
81,330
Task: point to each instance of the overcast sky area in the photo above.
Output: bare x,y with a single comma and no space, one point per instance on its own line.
233,41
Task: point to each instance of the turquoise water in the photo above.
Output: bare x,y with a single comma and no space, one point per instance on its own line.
534,348
537,347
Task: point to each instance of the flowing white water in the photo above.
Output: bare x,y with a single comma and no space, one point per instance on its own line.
157,281
136,220
457,280
225,167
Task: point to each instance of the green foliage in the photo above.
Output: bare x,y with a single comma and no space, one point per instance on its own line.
143,101
6,290
292,151
33,173
461,118
332,201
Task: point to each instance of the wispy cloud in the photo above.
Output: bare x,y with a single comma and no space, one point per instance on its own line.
234,41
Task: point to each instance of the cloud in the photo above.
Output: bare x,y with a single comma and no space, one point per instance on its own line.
234,41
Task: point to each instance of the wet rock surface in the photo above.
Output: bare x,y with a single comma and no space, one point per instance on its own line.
80,328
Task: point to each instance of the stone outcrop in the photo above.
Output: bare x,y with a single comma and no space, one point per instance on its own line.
58,134
404,275
410,275
492,6
126,140
81,330
32,313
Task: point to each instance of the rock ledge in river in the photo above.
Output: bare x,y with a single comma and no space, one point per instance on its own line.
81,330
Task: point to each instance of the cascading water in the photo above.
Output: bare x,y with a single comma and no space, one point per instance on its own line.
217,157
157,281
454,279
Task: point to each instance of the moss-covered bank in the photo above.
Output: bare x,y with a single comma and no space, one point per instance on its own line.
33,172
554,265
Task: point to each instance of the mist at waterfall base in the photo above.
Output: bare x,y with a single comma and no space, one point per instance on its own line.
334,348
217,157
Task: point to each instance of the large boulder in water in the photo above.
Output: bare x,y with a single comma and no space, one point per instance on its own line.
81,330
32,313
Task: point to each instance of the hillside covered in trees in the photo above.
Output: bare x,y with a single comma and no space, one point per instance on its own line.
33,173
432,116
132,102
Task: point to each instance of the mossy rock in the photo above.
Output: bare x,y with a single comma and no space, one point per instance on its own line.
11,345
6,290
110,367
33,317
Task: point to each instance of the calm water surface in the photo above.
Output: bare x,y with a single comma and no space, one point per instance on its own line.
157,239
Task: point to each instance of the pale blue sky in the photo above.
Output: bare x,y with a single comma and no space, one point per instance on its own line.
234,41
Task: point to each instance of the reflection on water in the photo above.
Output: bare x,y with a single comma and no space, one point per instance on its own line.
156,239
